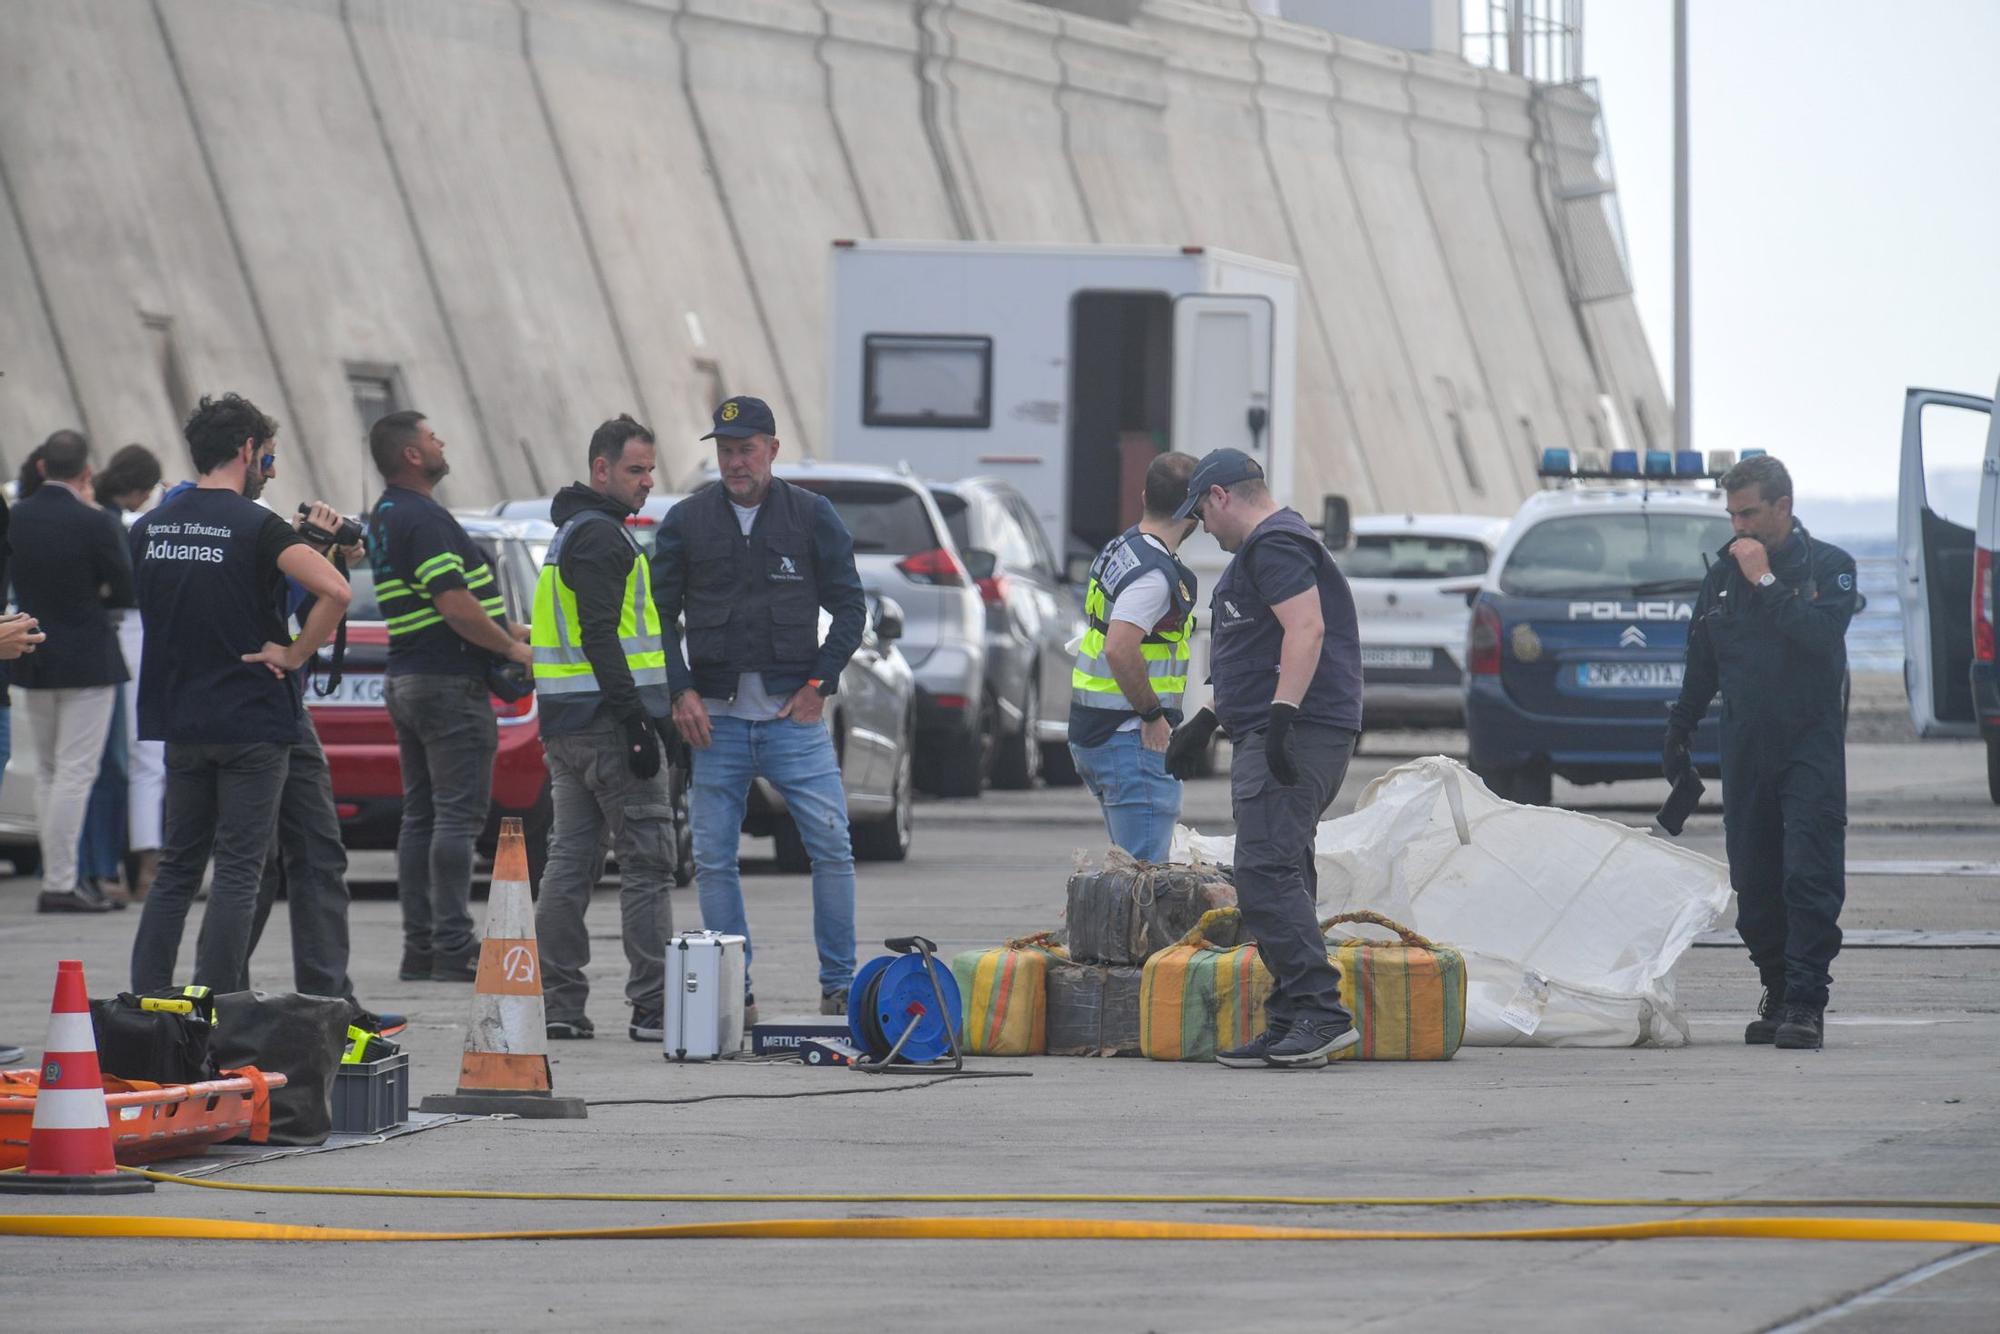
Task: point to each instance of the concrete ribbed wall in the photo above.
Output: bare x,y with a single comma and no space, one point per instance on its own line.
541,212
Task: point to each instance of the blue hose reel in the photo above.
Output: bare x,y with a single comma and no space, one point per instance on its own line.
904,1009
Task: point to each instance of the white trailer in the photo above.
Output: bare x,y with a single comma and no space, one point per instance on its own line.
1063,369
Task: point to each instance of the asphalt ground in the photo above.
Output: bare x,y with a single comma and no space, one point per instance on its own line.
1901,1104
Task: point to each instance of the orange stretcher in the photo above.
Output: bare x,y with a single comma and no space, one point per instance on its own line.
151,1122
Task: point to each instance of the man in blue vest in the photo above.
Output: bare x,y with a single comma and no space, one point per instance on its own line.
601,682
218,684
1131,668
1285,661
748,562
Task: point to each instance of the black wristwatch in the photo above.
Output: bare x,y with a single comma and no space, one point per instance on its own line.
1154,714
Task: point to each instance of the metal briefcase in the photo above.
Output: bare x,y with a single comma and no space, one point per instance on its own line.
704,1016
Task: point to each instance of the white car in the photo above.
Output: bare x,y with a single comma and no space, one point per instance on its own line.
1413,576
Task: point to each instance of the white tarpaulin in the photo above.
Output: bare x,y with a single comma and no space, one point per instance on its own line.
1570,924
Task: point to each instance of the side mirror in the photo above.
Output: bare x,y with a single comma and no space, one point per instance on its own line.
979,563
1336,522
1076,570
888,620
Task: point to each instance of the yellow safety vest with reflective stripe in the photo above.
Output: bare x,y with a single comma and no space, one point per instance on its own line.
564,682
1165,648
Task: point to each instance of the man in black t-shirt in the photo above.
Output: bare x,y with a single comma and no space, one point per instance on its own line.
447,626
217,684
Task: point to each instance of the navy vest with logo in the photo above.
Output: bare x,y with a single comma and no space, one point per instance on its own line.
752,602
1246,638
205,604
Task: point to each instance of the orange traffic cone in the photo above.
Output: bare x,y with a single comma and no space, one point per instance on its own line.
506,1066
69,1145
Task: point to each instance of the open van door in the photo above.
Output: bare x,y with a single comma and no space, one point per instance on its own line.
1934,555
1222,375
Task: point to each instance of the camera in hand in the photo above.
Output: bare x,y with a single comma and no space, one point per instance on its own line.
346,535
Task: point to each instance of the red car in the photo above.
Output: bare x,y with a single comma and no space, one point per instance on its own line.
360,740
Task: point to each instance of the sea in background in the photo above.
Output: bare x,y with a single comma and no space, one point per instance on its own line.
1875,636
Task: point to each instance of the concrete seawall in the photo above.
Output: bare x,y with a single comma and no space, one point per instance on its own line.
525,215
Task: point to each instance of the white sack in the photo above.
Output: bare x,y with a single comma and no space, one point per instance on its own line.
1570,924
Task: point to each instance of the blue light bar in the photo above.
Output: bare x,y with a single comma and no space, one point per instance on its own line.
1687,463
1624,463
1556,463
1753,453
1659,463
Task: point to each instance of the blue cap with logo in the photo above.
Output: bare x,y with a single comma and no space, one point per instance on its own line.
1218,467
741,417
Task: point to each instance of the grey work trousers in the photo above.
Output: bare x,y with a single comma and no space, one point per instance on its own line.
594,790
220,799
1277,888
309,861
447,737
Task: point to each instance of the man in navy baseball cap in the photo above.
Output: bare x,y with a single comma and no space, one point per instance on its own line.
1222,468
743,417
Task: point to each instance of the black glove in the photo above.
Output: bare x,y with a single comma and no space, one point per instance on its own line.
1676,757
1278,744
1185,746
642,748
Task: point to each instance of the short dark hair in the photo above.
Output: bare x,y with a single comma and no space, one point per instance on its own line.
609,440
133,468
217,428
1765,473
388,438
1167,483
31,479
64,456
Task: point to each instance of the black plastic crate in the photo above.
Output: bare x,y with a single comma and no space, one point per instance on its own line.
372,1096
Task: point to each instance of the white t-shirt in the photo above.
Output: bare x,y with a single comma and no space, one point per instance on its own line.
1143,602
752,700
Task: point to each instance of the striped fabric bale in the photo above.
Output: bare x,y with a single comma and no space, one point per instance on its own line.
1202,995
1407,997
1006,997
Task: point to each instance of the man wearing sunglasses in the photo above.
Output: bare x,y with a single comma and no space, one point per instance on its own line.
218,684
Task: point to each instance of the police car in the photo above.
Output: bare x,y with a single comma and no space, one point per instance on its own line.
1579,631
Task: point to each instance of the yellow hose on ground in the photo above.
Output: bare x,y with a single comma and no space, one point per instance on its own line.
1054,1197
1007,1229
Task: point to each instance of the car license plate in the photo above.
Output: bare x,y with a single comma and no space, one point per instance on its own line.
1414,659
353,692
1629,675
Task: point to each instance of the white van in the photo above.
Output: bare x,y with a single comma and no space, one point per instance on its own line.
1946,566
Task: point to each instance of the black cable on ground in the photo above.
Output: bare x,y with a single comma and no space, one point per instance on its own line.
809,1093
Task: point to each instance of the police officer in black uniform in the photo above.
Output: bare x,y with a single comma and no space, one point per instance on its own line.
1770,633
218,684
1285,662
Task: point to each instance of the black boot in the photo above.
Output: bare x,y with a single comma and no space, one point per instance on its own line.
416,965
1801,1027
1770,1011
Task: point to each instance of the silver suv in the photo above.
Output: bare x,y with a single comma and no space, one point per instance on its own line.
904,550
1031,617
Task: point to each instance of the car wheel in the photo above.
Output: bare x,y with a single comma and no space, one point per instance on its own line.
888,840
1058,765
26,857
1992,770
536,822
1017,759
792,856
954,764
677,798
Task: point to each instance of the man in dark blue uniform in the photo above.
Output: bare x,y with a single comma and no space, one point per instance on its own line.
1285,662
218,684
1769,633
748,562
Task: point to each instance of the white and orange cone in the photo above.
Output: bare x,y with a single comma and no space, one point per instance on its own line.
69,1145
505,1067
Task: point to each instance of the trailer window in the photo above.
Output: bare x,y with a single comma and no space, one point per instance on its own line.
934,380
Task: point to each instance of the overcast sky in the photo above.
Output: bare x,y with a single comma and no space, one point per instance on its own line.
1846,215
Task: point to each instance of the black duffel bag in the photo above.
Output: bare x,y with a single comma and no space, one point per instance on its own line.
165,1037
299,1037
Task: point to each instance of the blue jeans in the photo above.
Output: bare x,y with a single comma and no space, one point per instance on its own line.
1141,799
100,853
799,762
